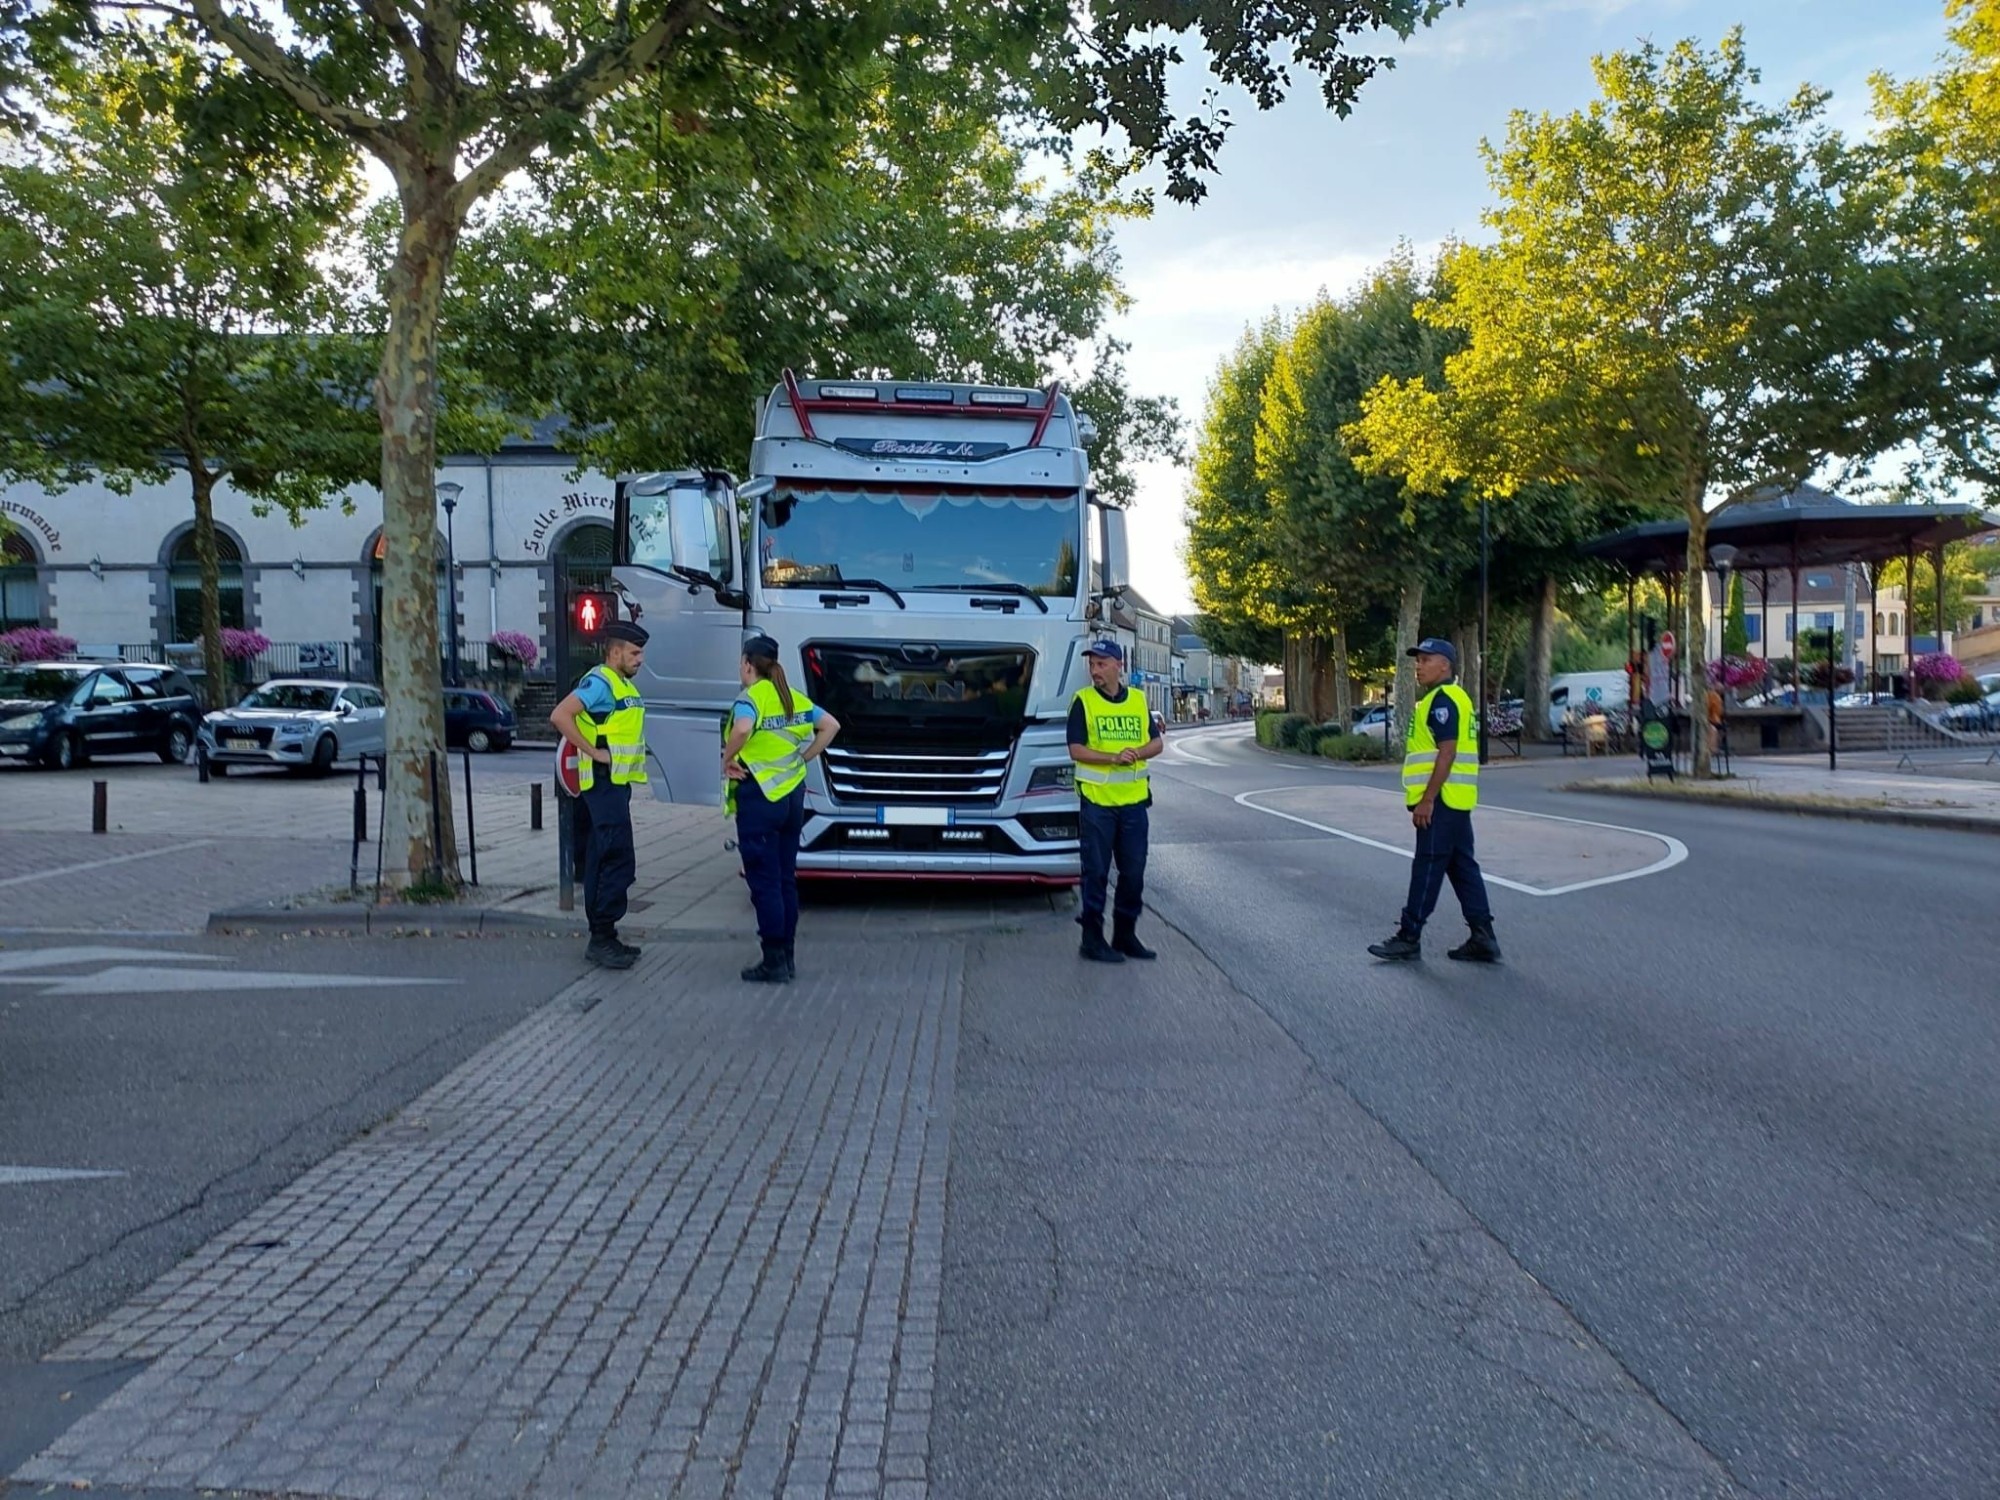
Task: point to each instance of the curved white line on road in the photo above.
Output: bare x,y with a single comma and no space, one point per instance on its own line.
1179,748
1676,850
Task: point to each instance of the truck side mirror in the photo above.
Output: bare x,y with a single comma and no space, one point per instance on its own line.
687,525
1116,560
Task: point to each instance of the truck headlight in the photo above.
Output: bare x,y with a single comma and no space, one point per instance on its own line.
1060,778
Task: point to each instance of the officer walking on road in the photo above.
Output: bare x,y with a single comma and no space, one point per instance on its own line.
1441,787
775,731
605,719
1111,737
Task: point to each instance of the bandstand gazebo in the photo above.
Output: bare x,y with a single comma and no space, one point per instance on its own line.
1788,534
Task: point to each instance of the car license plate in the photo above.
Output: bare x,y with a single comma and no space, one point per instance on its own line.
240,744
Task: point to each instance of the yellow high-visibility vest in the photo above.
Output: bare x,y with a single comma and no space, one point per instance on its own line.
774,755
1113,727
623,733
1420,753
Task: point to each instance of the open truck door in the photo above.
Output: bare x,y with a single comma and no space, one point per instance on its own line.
678,567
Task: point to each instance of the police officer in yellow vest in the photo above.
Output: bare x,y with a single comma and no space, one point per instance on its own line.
775,732
605,719
1111,737
1441,787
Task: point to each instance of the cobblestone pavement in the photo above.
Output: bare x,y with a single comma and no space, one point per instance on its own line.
671,1236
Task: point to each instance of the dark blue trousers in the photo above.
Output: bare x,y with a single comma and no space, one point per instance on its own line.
767,836
1444,852
609,862
1107,834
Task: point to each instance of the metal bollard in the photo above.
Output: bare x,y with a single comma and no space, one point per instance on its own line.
360,831
201,764
471,827
100,796
565,851
436,871
535,808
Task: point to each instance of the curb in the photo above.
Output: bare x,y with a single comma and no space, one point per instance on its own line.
372,922
1893,816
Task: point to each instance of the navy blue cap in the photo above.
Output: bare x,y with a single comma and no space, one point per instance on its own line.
1430,645
1109,649
624,630
759,646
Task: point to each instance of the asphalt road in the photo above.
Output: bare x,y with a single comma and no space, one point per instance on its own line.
203,1075
1736,1118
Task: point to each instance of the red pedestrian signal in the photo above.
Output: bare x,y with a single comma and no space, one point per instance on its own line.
593,613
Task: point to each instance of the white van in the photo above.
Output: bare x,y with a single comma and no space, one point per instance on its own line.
1574,692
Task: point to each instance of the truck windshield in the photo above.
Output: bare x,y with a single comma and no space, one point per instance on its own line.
919,540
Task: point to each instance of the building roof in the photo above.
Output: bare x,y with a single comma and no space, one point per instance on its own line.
1805,527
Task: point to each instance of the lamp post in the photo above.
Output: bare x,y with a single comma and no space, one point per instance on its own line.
1722,555
448,493
1485,697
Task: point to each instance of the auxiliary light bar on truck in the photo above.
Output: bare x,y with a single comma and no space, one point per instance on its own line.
929,399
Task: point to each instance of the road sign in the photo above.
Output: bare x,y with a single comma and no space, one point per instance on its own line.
568,776
1667,644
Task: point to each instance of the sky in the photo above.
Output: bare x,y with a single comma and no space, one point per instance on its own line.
1306,202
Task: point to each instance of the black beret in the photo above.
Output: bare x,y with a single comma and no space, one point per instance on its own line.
625,630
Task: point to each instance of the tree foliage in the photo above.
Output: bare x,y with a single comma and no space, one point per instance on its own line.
162,304
1680,309
1937,155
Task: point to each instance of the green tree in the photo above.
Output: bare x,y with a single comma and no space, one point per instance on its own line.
651,289
162,309
1735,625
1680,310
1937,156
455,96
1233,556
1967,571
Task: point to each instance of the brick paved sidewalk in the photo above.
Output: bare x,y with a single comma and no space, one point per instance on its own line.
674,1235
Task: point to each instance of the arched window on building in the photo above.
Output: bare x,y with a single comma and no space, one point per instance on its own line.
20,586
184,581
586,557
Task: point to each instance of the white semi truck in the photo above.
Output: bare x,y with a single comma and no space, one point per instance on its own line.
931,559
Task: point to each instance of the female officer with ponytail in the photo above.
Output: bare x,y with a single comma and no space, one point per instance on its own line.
774,733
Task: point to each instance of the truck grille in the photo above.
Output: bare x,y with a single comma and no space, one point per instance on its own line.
954,776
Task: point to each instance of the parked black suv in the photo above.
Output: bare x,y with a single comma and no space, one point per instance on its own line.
64,712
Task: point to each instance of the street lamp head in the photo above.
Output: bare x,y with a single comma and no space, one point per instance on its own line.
448,492
1722,555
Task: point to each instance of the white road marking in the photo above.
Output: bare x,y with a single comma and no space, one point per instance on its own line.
12,1175
128,980
1179,746
1676,850
99,864
55,958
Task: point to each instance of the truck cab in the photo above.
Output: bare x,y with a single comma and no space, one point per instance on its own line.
931,559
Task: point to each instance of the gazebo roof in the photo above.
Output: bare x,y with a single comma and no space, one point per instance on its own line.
1802,528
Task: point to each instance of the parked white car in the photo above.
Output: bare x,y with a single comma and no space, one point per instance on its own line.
300,724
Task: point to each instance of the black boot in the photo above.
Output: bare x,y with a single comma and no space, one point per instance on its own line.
1095,948
619,942
772,970
791,964
608,953
1126,941
1481,948
1405,945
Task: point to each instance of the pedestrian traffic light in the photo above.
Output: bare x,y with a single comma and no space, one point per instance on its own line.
593,613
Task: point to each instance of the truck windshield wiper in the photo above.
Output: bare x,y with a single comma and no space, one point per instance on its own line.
834,584
984,588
